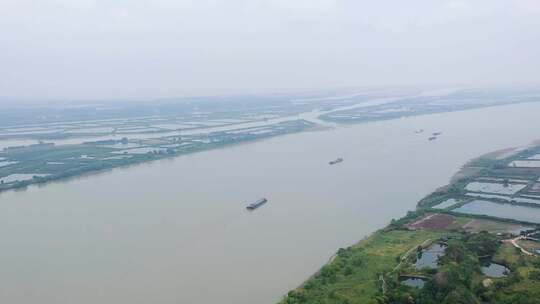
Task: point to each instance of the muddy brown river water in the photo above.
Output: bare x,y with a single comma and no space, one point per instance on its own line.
176,231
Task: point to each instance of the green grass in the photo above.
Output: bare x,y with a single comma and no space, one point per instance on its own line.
507,254
522,288
460,221
353,276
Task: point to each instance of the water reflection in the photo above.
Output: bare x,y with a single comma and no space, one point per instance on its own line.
414,282
494,270
515,212
428,258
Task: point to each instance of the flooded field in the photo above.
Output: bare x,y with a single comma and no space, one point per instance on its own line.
139,150
520,213
497,188
6,163
535,157
447,203
518,199
19,177
527,200
166,231
525,163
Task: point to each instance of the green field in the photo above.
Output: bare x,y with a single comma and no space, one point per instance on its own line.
353,276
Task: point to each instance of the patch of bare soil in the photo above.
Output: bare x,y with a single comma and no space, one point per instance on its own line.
477,225
433,221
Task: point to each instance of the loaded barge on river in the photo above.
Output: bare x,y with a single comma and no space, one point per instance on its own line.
336,161
257,204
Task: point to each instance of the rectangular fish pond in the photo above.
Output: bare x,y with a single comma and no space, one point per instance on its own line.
447,203
508,211
517,199
525,164
497,188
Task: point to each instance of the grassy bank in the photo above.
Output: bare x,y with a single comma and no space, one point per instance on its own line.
354,275
373,270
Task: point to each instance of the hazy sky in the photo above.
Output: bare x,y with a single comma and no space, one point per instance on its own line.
153,48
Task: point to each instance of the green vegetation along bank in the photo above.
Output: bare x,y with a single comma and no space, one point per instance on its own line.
443,252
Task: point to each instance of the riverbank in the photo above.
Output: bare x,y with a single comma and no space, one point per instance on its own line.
43,163
58,146
387,267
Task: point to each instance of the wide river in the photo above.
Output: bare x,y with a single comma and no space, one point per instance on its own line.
176,231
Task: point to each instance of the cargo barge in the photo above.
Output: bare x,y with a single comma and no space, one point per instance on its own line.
336,161
257,204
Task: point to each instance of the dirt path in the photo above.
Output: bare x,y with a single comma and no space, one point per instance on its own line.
515,244
403,258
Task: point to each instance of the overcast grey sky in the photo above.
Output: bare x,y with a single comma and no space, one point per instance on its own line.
153,48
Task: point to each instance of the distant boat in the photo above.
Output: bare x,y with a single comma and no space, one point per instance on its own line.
257,204
432,138
336,161
419,131
437,133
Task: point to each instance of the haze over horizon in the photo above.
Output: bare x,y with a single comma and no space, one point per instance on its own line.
86,49
270,151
